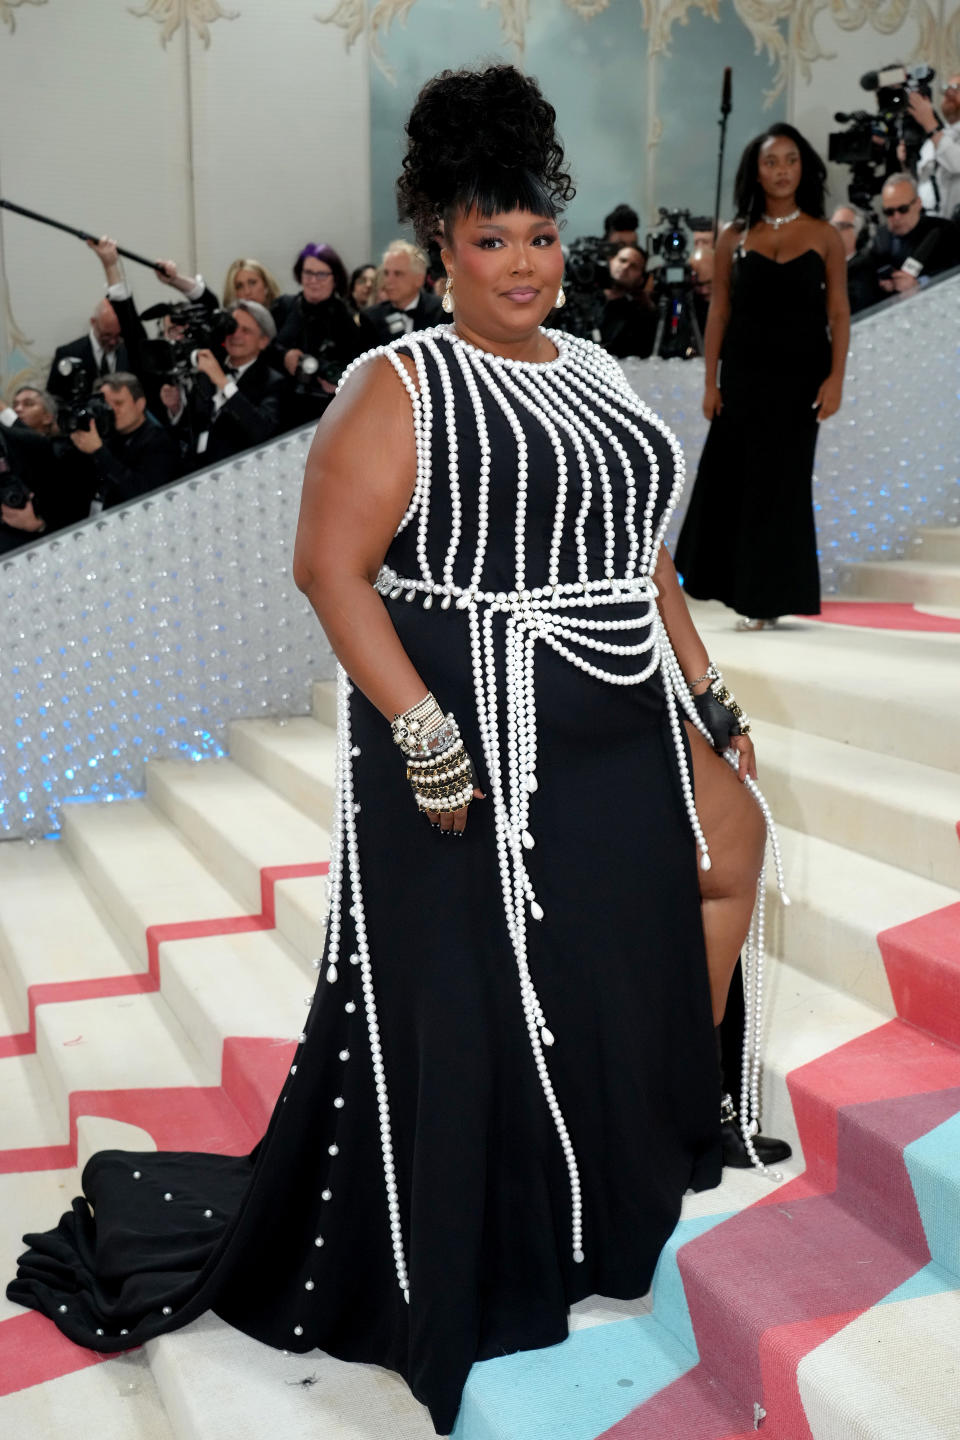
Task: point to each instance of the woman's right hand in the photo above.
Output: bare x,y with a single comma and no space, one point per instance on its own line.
712,401
453,820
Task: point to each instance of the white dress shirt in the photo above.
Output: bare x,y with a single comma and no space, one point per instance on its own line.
938,173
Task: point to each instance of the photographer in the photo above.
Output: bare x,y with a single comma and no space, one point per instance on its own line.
938,168
907,251
100,352
131,451
318,335
621,227
45,484
628,324
232,407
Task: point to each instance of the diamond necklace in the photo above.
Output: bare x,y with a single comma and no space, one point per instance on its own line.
777,220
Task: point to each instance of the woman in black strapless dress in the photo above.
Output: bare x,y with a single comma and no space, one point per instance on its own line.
779,326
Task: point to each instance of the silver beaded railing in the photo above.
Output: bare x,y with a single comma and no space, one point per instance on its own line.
888,464
145,631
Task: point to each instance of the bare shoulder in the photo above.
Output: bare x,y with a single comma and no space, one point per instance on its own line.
730,236
824,237
372,406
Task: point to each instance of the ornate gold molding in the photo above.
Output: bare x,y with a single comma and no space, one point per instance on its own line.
7,8
171,14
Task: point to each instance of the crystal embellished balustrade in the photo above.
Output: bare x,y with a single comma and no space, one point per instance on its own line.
888,463
145,631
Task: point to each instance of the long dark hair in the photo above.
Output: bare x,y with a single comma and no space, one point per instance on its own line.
748,193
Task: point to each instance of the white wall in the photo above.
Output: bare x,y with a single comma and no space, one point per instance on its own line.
251,146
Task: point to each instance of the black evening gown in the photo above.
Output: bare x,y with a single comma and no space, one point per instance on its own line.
749,538
507,1077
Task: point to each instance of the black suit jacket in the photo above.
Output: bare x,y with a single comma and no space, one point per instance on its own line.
250,417
82,348
386,318
135,464
938,240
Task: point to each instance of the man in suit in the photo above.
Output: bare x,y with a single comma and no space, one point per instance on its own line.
406,306
100,352
133,456
908,250
232,407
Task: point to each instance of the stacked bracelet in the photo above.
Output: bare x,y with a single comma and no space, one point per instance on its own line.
439,769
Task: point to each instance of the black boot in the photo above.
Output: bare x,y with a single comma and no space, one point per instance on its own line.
729,1033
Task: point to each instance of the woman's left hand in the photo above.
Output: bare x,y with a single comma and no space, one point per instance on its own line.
746,756
828,398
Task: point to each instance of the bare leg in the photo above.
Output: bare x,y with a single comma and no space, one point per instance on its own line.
735,832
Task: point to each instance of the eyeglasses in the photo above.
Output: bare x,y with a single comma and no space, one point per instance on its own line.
953,85
889,210
316,274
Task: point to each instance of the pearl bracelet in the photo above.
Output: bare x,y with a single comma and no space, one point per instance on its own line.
424,729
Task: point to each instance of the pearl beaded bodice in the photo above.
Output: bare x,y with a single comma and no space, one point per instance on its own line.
562,457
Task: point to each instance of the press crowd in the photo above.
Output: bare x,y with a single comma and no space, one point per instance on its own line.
123,413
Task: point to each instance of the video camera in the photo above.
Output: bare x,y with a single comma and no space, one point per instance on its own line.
678,333
79,409
323,363
869,144
193,327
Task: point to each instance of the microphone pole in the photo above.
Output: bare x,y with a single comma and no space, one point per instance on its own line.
72,230
726,105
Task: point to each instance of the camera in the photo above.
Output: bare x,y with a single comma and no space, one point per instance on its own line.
173,360
678,334
585,278
323,365
869,144
13,492
79,409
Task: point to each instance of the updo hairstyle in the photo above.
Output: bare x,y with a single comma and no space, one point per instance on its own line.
483,138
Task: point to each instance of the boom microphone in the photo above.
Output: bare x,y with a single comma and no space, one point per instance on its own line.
726,100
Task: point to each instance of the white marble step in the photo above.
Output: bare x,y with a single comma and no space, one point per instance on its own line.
142,871
235,985
52,928
840,901
941,544
117,1399
896,693
925,581
324,702
295,757
894,810
240,825
126,1042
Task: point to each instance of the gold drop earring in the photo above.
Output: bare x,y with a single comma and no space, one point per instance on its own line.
561,299
447,301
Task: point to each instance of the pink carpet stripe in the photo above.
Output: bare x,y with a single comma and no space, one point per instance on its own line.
882,615
922,960
34,1351
148,981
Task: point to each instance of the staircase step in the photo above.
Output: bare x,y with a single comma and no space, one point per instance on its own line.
324,702
115,1399
891,1372
222,987
295,757
894,810
941,545
840,900
235,821
887,691
130,1042
218,1384
29,1116
922,582
142,871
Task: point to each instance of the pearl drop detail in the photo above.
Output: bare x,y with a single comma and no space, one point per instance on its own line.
136,1175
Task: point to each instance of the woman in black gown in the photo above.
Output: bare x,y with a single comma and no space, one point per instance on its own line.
779,326
507,1077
